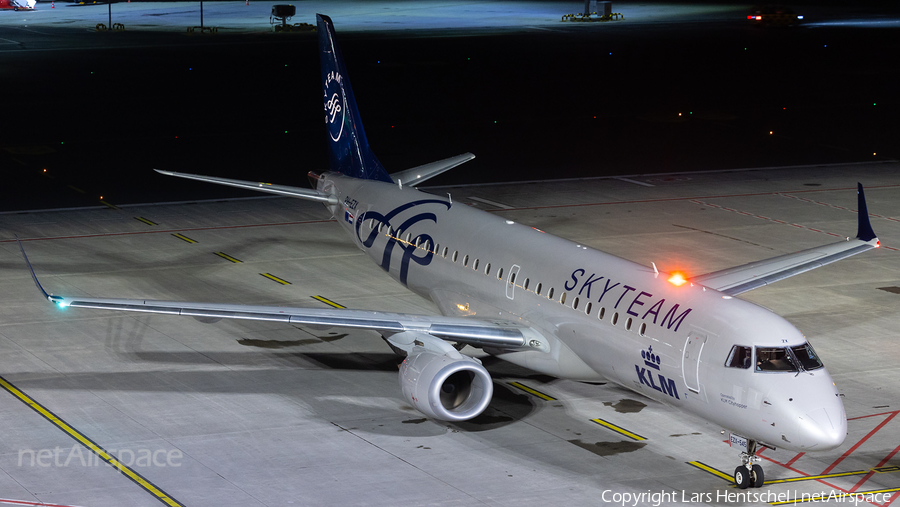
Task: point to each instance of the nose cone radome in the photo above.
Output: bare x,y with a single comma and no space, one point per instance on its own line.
824,428
812,411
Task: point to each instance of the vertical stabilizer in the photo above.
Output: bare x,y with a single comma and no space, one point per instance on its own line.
349,151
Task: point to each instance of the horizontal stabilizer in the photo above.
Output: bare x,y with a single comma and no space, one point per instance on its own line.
739,279
417,175
300,193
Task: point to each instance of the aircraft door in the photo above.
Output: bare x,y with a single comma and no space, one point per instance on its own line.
511,281
690,361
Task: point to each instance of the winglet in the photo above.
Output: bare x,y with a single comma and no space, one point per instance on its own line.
864,231
33,276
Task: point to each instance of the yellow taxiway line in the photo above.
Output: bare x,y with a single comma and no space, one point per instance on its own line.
93,447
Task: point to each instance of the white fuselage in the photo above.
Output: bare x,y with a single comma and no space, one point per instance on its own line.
604,317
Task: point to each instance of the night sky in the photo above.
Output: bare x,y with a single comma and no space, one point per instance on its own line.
530,105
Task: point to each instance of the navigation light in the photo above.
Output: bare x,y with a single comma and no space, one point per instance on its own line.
677,279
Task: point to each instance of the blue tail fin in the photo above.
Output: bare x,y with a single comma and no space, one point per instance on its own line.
349,151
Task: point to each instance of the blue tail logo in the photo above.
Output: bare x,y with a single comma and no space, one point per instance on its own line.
349,151
334,109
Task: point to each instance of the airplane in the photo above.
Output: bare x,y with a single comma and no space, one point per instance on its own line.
548,304
16,5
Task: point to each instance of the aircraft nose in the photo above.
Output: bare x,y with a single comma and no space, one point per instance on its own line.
823,428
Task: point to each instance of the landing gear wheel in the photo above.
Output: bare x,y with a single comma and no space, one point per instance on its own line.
757,477
741,477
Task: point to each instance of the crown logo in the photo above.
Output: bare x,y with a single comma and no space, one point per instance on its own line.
650,359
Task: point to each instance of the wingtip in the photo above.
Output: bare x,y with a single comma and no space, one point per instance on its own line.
31,269
864,230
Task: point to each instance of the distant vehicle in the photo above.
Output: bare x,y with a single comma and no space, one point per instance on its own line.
774,15
17,5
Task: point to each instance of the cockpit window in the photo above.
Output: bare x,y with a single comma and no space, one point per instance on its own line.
739,357
807,357
774,359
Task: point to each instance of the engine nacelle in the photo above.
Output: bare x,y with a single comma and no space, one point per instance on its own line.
444,387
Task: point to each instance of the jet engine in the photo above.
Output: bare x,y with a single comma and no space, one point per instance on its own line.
445,388
439,381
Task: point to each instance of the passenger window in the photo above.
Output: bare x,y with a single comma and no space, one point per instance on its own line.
587,309
774,359
500,274
550,294
418,241
525,285
455,255
575,304
538,290
628,324
739,357
444,255
426,245
408,236
487,269
562,299
615,319
512,279
601,313
475,265
643,328
466,261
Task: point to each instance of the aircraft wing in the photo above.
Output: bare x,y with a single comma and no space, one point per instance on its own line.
739,279
500,334
300,193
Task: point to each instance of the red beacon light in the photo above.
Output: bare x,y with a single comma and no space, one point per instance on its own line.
677,279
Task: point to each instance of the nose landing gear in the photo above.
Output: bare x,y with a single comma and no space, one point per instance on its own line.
749,473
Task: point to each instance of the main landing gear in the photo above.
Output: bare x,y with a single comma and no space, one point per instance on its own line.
750,473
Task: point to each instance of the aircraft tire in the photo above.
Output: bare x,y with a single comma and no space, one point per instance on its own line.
757,477
741,477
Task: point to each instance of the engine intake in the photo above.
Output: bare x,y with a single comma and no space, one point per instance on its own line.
446,388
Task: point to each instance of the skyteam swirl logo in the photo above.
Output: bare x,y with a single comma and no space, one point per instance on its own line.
421,256
334,105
